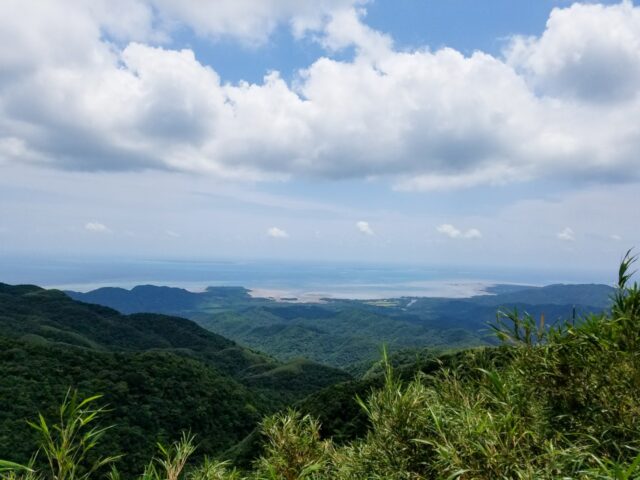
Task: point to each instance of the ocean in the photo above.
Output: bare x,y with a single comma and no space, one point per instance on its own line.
281,279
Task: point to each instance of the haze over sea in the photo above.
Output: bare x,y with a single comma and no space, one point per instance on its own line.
284,279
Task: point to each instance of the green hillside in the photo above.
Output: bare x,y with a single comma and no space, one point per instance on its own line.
160,374
152,395
151,298
348,333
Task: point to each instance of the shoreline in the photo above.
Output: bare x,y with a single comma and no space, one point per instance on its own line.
446,289
316,294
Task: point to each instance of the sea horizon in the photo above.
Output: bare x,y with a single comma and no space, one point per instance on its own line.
304,280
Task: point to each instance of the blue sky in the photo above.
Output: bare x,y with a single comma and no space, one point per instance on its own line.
466,25
495,133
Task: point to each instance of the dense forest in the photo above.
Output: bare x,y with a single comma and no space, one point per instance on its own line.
550,401
348,333
159,375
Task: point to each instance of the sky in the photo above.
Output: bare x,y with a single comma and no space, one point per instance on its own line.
499,133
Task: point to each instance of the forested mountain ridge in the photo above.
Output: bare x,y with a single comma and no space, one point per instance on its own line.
592,294
34,313
161,374
160,299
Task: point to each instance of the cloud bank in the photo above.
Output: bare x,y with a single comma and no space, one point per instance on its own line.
86,87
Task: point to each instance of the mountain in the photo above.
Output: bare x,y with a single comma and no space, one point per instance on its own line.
593,295
342,337
159,374
158,299
349,333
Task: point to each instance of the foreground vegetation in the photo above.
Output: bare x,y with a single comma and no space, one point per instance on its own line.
551,402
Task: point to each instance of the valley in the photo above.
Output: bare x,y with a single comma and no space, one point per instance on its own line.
348,333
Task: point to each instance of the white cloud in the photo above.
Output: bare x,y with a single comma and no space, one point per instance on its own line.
452,232
448,230
473,233
251,21
615,237
589,52
567,234
364,227
275,232
171,233
426,120
97,227
345,29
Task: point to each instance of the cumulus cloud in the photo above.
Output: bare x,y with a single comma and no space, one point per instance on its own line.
364,227
426,120
448,230
345,29
590,52
97,227
452,232
275,232
249,20
567,235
